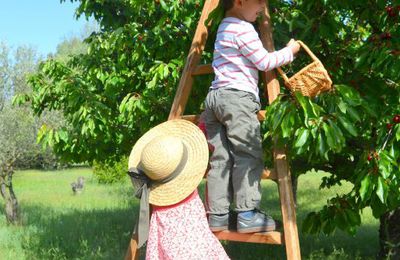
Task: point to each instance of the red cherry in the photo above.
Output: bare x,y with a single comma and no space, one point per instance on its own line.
140,37
391,11
396,119
389,126
369,157
395,52
386,36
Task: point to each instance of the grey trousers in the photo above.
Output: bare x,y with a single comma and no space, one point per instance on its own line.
236,163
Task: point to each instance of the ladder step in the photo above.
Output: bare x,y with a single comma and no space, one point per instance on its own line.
273,237
195,118
203,70
268,174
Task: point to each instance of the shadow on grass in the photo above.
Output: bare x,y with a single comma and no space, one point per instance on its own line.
340,245
78,234
105,234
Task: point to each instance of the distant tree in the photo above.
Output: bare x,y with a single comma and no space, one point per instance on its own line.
17,140
74,45
18,126
4,74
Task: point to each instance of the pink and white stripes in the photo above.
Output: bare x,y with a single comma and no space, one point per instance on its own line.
239,54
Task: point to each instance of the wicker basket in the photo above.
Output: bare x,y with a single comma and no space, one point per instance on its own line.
310,80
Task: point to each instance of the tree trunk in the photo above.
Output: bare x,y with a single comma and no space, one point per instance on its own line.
389,235
7,192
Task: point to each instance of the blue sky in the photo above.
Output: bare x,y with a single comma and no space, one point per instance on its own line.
41,24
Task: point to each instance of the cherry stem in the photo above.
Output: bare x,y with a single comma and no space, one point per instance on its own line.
387,139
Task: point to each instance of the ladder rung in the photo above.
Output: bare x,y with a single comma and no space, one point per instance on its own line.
269,174
261,115
273,237
195,118
202,70
191,118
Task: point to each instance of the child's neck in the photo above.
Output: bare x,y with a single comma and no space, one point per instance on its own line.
234,13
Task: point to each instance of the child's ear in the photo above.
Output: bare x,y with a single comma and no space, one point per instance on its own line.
238,2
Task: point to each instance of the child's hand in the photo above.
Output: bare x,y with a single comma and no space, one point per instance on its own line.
294,46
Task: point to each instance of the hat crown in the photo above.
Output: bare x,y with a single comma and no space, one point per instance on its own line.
161,157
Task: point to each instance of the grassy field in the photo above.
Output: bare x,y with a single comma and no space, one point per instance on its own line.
97,223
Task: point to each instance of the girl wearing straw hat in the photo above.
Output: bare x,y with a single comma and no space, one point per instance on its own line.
168,162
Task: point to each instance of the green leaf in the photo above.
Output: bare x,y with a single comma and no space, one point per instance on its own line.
286,126
349,95
278,116
365,186
20,99
302,136
353,114
378,208
397,129
63,135
342,106
164,5
337,132
330,137
321,145
347,125
382,189
308,109
341,220
353,217
367,107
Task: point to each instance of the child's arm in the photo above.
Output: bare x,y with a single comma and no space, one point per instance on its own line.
250,46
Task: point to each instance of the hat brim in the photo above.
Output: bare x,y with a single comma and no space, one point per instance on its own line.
192,173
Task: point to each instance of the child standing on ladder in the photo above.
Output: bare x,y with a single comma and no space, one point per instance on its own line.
230,117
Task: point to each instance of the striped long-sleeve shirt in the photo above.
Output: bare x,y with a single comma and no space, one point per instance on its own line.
239,55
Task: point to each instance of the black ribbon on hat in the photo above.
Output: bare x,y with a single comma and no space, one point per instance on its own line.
143,223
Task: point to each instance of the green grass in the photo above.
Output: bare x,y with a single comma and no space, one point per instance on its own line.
97,223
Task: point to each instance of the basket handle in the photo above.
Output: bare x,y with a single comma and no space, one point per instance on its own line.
309,52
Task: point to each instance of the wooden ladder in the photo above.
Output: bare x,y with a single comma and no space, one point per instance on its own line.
281,172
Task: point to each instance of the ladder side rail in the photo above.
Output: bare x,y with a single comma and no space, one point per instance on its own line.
132,253
280,163
193,59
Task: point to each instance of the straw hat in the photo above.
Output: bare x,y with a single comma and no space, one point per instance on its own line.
176,147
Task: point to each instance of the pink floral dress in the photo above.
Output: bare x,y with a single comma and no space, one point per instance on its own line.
181,231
